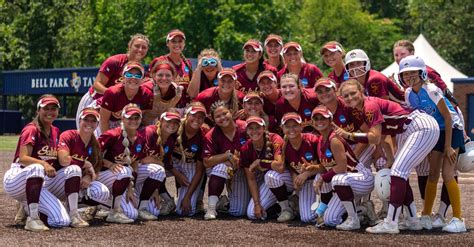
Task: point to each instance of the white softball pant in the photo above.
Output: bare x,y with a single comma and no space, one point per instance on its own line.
188,170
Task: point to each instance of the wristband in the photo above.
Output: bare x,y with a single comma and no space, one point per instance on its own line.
328,176
360,137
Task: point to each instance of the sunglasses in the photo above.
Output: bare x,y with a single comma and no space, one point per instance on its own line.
209,62
129,75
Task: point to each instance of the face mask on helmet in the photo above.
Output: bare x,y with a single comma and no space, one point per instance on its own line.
357,71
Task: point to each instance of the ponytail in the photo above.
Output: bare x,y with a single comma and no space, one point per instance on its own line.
126,145
283,149
268,145
179,140
159,141
96,157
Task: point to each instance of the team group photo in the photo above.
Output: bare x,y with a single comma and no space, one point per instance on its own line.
267,134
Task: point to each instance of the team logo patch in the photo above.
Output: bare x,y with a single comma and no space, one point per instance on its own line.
328,153
186,69
139,148
342,119
242,141
352,54
304,81
194,148
89,151
308,156
346,76
166,149
369,115
216,82
307,112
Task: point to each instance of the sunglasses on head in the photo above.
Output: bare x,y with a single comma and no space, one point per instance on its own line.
129,75
209,62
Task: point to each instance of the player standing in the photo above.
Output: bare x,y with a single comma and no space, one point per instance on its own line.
273,46
333,56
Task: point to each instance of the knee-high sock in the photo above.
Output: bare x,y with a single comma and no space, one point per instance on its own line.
454,197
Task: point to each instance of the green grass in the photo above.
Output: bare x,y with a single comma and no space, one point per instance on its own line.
8,143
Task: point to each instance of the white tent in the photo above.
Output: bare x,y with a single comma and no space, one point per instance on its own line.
432,59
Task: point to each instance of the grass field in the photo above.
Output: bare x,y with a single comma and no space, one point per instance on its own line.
8,143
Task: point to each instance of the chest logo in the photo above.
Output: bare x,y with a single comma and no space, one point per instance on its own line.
194,148
328,153
308,156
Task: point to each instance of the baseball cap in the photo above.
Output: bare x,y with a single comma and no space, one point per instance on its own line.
289,45
326,82
195,109
227,71
175,33
133,65
275,37
291,116
89,112
255,44
252,95
332,47
268,74
168,116
322,110
129,111
46,101
255,119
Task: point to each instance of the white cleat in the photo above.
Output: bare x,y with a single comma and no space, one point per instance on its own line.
410,224
118,217
78,222
211,214
438,221
102,213
426,222
456,225
35,225
286,215
384,227
20,217
145,215
88,213
349,224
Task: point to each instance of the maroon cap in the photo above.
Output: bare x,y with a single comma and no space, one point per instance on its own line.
195,109
255,44
332,47
175,33
268,74
255,119
252,95
289,45
326,82
322,110
89,112
46,101
129,111
275,37
133,65
227,71
168,116
291,116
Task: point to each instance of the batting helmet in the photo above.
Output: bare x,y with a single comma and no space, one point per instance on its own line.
382,184
412,63
355,56
466,160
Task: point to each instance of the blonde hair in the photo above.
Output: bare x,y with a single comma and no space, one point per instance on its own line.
292,76
159,140
181,129
406,44
138,36
351,82
209,52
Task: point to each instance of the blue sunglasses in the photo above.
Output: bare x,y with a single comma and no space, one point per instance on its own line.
129,75
209,62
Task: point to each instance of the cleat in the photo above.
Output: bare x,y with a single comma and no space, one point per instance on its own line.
200,207
286,215
294,202
426,223
145,215
412,225
78,222
319,222
384,227
438,221
88,213
349,224
211,214
456,225
102,213
370,213
223,204
118,217
35,225
20,217
167,207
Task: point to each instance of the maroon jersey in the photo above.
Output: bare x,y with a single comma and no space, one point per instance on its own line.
192,147
248,154
309,74
378,85
389,114
339,79
269,107
210,95
112,68
206,83
215,142
278,68
308,102
153,149
308,150
115,100
113,149
183,76
43,149
343,117
246,84
71,141
169,95
435,78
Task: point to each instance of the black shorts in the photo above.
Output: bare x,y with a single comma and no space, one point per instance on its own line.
457,140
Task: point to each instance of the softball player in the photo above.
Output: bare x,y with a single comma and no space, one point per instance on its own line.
261,153
118,96
429,98
110,72
307,73
253,106
375,83
78,154
416,133
333,56
176,41
248,71
221,154
205,75
296,98
273,46
35,153
122,148
187,158
350,179
268,84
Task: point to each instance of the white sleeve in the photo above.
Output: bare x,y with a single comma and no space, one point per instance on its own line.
407,96
434,92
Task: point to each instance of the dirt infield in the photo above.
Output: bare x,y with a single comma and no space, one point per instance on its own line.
226,230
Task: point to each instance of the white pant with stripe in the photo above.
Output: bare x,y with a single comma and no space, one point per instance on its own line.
239,194
414,145
361,183
14,184
188,170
